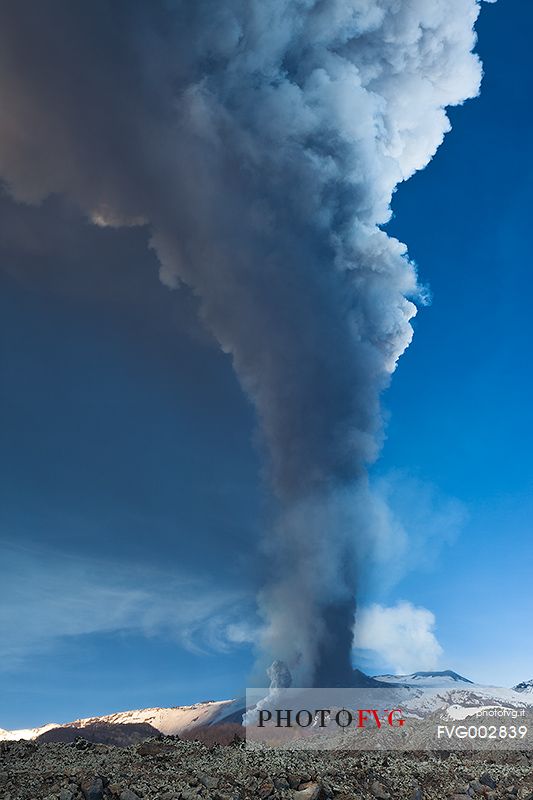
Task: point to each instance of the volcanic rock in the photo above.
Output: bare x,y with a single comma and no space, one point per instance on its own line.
93,788
379,791
487,780
310,792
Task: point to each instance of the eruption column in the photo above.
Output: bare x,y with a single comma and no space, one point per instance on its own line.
261,143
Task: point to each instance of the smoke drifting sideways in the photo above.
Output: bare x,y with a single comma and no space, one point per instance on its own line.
261,143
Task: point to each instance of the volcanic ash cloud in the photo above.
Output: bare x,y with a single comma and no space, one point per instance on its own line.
261,143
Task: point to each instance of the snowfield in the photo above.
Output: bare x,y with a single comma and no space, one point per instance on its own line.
169,721
26,733
426,679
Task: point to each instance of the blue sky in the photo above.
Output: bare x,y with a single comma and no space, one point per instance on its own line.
460,401
131,497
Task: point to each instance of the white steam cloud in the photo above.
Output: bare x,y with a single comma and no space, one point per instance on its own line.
261,142
400,637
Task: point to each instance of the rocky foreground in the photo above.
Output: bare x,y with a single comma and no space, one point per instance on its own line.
171,769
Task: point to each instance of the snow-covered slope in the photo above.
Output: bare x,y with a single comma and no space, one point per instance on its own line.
423,693
169,721
470,696
426,679
26,733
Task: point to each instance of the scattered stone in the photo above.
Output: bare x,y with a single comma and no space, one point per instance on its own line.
61,772
93,788
265,790
464,790
487,780
208,781
310,792
154,748
81,744
379,791
127,794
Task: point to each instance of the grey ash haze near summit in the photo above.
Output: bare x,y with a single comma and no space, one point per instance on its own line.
260,144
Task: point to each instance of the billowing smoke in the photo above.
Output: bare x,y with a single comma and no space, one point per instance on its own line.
260,141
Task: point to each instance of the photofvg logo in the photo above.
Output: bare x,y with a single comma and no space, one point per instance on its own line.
322,718
392,718
328,718
502,727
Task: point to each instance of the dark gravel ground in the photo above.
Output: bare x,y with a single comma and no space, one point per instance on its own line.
167,769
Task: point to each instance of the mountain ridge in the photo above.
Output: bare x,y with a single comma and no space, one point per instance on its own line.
524,686
422,693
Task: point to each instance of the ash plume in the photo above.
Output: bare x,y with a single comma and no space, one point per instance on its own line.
260,142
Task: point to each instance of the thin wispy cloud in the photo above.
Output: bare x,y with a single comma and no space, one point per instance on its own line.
50,597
